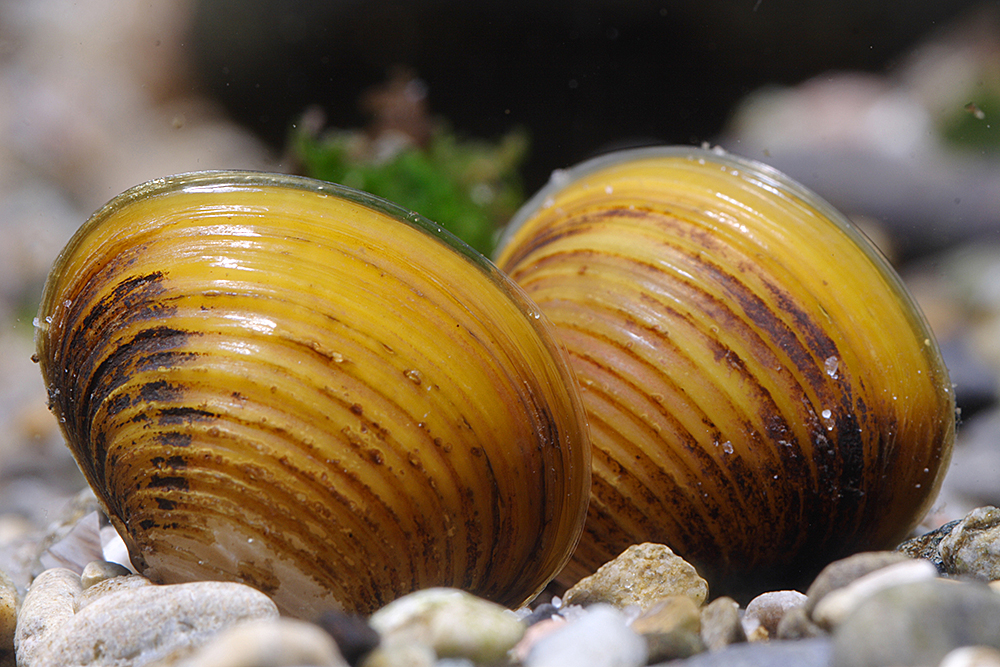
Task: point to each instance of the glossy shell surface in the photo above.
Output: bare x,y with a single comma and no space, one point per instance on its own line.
288,383
764,395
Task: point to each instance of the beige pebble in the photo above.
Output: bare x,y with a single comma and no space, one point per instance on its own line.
720,624
8,614
100,570
401,655
48,605
641,575
838,604
454,623
137,626
268,643
767,609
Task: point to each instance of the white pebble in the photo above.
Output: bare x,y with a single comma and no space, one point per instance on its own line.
601,638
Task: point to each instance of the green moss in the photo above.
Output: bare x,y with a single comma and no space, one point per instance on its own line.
469,187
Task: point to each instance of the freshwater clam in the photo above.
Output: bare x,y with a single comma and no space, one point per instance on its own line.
295,385
764,395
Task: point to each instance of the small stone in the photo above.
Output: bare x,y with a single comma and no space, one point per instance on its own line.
676,645
918,624
8,614
111,585
641,575
800,653
671,628
720,624
767,609
973,546
352,634
454,623
599,638
48,605
842,572
677,612
796,624
268,643
838,604
134,626
542,612
972,656
101,570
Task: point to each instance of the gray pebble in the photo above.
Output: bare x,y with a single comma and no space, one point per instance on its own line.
641,575
918,624
767,609
720,624
973,546
277,642
796,624
454,623
842,572
599,638
129,627
799,653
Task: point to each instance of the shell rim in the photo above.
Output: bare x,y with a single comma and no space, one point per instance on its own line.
239,178
749,170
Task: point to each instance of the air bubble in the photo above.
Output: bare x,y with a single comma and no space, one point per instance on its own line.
560,177
831,365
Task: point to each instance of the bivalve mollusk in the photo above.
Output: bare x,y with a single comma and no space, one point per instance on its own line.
764,395
298,386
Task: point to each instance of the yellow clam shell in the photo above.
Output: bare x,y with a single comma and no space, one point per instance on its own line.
764,396
288,383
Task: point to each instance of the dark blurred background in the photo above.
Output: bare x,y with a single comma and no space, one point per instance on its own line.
580,76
